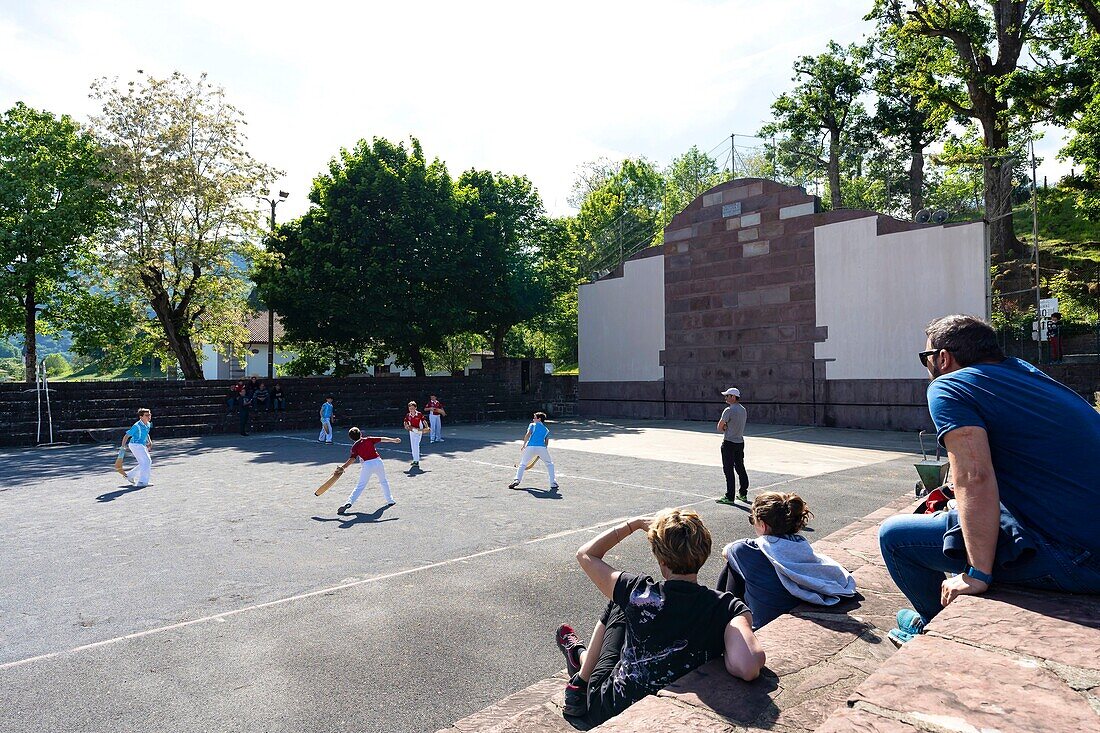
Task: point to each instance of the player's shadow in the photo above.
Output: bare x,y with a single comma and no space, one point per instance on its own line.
353,518
542,493
112,495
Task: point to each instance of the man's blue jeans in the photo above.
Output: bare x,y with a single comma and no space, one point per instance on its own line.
912,547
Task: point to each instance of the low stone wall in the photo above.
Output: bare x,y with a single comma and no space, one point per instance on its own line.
94,411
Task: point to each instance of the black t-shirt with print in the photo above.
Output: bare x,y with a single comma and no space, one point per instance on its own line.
672,627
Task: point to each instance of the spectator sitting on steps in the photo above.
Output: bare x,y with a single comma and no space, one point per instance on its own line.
1022,449
278,399
779,569
260,397
653,632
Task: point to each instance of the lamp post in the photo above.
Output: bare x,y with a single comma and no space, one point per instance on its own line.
271,313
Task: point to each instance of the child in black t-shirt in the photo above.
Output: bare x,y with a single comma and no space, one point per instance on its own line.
653,632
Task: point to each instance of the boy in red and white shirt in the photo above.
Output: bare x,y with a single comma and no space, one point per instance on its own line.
363,449
435,411
417,425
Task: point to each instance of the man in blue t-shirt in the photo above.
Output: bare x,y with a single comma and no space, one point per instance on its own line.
1014,437
535,444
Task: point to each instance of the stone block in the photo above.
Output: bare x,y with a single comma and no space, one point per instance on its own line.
771,296
734,223
682,247
712,199
1059,628
818,640
755,249
743,192
711,686
731,210
536,694
789,212
863,721
744,235
750,220
666,714
677,235
865,544
953,686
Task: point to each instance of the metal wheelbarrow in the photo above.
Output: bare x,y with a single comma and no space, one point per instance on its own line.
932,471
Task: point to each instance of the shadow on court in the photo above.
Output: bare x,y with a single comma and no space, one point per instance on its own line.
351,519
112,495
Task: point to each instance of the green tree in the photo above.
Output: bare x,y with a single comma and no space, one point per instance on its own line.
686,177
379,260
822,117
982,75
621,215
188,190
53,202
454,354
504,220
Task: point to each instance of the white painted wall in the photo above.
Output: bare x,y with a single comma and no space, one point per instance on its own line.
877,294
621,324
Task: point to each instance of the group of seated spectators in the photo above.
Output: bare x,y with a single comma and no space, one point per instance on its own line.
243,397
1022,449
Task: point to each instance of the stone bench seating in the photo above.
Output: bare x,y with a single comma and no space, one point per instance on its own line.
1009,660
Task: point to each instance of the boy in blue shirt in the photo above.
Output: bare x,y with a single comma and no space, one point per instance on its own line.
535,443
325,436
137,438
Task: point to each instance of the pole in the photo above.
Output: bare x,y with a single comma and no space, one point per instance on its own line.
271,313
1035,242
733,155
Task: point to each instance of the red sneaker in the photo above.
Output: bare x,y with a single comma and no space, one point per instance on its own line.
571,646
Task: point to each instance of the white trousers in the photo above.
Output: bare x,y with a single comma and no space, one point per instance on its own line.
140,472
373,467
436,422
530,452
326,430
414,441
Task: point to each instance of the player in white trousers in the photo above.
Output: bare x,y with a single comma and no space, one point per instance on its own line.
535,443
416,425
436,413
137,438
363,449
325,436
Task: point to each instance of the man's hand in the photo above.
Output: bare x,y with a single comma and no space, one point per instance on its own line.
641,523
339,469
960,585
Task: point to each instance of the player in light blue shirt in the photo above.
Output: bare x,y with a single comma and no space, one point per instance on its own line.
325,436
535,444
137,438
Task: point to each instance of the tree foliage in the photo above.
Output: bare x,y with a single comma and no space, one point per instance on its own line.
187,189
53,201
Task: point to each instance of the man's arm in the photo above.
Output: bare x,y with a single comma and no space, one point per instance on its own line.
526,437
979,506
590,555
744,656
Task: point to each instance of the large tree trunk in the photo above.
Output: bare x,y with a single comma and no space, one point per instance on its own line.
916,174
499,334
835,200
997,187
30,331
176,331
418,362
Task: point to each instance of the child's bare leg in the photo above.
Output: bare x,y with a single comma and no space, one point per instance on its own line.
588,660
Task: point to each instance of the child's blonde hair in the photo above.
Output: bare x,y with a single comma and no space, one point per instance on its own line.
680,541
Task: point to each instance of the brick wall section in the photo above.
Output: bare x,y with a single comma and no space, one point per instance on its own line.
740,310
85,411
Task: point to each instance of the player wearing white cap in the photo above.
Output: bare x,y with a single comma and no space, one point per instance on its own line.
732,426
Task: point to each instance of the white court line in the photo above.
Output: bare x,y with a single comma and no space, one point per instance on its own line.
342,586
512,468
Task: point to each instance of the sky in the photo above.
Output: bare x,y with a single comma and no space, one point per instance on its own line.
537,89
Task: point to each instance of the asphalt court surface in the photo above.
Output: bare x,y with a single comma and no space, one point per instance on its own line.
226,596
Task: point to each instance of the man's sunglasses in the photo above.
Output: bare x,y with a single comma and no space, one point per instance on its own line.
923,356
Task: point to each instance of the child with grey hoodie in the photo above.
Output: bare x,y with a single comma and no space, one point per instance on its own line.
778,569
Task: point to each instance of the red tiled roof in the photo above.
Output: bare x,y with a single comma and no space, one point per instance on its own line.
257,328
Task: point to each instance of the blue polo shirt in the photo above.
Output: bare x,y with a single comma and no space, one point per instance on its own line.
539,434
326,411
139,433
1044,440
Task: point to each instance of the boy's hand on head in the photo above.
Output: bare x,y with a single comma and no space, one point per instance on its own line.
641,523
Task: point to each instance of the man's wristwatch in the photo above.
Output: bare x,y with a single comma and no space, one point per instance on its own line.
976,574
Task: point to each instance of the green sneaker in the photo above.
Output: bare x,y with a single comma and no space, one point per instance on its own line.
726,500
743,496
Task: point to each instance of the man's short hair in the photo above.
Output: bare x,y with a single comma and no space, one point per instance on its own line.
969,339
540,416
354,433
680,540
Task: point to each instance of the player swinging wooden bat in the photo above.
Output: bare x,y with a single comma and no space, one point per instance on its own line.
362,449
